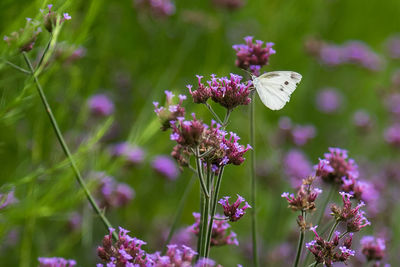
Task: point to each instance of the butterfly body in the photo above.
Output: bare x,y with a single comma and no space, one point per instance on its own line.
275,88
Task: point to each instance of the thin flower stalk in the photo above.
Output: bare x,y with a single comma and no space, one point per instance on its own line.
64,146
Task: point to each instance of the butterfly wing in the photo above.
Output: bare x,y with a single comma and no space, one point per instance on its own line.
275,88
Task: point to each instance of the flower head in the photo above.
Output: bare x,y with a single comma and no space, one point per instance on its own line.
373,248
165,166
329,100
171,112
296,166
252,55
55,262
392,135
51,18
101,105
132,154
233,212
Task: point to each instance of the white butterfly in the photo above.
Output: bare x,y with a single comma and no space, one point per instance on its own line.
275,88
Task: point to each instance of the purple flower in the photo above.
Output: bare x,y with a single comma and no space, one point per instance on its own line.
228,92
51,18
165,166
335,166
253,55
66,16
301,134
101,105
56,262
233,212
220,234
373,248
329,100
7,199
359,53
296,166
229,4
392,103
158,8
353,217
171,112
331,55
362,120
134,155
392,135
393,47
305,197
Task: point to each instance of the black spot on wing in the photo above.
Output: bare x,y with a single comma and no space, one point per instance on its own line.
286,82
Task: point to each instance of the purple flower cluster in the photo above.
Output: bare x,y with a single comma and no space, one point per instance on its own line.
50,18
298,134
112,194
328,100
305,197
56,262
133,155
228,92
373,248
252,56
166,167
211,140
101,105
393,47
158,8
229,4
362,120
220,235
329,251
351,52
353,217
127,251
336,166
392,135
296,166
392,103
7,199
171,111
25,38
233,212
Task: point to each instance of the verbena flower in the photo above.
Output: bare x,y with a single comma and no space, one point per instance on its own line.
25,38
229,4
362,120
353,217
335,166
51,18
392,135
132,154
55,262
296,166
179,256
101,105
112,194
304,200
298,134
171,111
252,56
221,235
392,103
228,92
327,252
329,100
233,212
165,166
373,248
7,199
158,8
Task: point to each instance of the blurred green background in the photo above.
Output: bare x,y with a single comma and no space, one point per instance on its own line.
133,57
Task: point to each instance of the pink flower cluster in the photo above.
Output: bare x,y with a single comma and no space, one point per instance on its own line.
233,212
220,235
171,111
228,92
372,248
56,262
252,56
300,135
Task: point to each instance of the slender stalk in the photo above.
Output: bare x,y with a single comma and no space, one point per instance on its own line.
17,67
44,52
207,212
179,210
65,148
213,113
200,236
200,173
327,199
253,183
332,230
213,208
300,244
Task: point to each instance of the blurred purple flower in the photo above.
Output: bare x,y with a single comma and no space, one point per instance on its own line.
56,262
373,248
392,135
301,134
134,155
328,100
74,221
252,56
165,166
357,52
362,120
331,55
392,103
158,8
7,199
101,105
297,167
393,46
229,4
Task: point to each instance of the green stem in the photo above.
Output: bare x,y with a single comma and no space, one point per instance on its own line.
216,117
213,208
253,183
44,52
200,237
200,173
325,204
179,210
332,230
17,67
300,244
204,219
65,148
